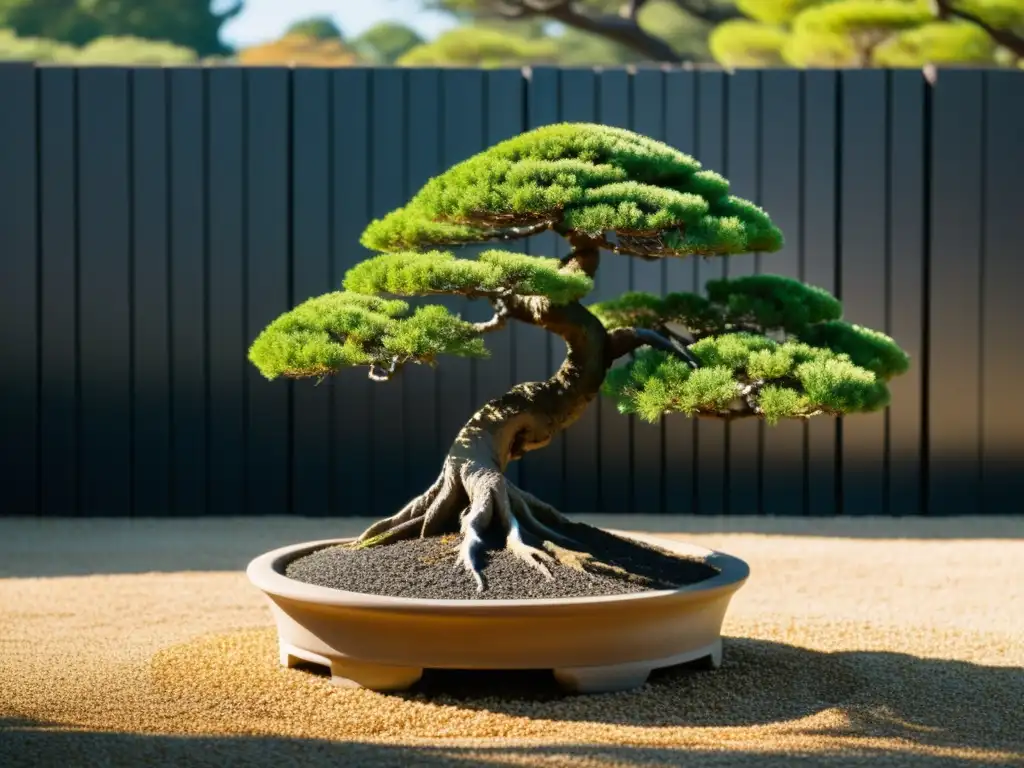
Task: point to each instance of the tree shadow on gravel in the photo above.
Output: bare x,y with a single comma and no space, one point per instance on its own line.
935,702
28,743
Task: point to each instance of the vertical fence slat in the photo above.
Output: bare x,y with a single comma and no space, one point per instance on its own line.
712,467
226,278
151,235
311,276
821,89
612,280
648,118
680,276
582,491
19,332
543,470
743,152
862,281
387,170
58,408
105,291
782,458
1002,420
955,278
426,448
188,292
353,399
505,118
906,285
268,272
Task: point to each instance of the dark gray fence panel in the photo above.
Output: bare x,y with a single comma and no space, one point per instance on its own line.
426,447
387,192
188,290
157,220
105,291
19,296
228,335
680,276
712,448
612,280
582,490
1002,420
543,472
268,429
58,269
350,210
311,276
649,276
781,157
906,288
743,169
151,272
819,194
863,228
954,354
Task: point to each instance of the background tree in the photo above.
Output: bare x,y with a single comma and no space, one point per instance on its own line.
103,50
603,189
316,27
186,23
864,33
1001,20
386,42
299,50
652,30
474,46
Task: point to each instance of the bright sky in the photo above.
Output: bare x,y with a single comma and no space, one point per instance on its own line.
264,20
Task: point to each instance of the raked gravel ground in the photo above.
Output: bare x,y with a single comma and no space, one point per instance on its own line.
855,643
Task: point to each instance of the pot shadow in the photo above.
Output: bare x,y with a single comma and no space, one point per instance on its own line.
934,702
27,743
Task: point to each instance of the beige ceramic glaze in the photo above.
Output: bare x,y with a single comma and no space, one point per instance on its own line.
593,644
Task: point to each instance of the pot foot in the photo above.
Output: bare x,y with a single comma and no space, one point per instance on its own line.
347,673
620,677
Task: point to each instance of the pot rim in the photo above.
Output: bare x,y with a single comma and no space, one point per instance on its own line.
266,572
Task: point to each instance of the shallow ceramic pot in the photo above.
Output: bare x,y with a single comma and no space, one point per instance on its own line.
593,644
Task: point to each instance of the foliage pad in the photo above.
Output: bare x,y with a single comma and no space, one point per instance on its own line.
493,273
763,302
329,332
825,365
581,178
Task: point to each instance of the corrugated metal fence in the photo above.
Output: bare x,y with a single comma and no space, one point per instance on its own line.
154,220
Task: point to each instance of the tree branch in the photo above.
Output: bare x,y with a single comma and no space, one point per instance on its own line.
622,341
496,323
622,29
708,12
946,9
385,373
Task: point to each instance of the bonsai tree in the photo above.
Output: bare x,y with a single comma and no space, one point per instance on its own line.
763,346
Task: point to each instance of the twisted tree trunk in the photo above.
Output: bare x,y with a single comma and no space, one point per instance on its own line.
471,492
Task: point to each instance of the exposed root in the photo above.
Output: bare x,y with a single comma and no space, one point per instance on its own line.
476,500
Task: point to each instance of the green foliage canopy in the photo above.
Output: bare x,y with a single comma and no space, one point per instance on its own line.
824,365
493,273
329,332
582,178
101,51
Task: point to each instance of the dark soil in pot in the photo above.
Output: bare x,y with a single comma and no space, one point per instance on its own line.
425,568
